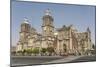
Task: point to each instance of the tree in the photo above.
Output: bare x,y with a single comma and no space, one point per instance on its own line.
28,51
35,51
23,52
43,50
94,46
50,50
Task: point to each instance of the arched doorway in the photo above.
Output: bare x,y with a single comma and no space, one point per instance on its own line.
64,48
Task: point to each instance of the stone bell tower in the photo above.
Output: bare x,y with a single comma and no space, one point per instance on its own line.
47,29
47,26
24,33
25,30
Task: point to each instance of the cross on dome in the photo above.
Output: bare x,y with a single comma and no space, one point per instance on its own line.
26,20
47,12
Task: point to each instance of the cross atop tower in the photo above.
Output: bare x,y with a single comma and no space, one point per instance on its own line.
47,12
26,20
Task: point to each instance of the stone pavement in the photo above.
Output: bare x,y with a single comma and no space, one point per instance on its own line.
38,60
66,59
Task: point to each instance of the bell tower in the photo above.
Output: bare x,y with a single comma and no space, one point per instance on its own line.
24,33
47,30
25,29
47,26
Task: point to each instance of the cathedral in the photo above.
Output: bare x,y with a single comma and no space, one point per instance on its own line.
64,40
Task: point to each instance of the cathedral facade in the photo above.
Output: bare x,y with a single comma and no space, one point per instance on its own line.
64,40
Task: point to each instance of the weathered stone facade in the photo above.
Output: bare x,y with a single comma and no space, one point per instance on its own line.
65,40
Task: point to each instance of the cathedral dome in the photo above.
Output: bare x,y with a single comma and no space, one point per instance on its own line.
25,21
48,12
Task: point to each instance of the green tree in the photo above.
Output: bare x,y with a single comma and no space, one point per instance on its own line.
50,50
29,51
35,51
43,50
94,46
23,52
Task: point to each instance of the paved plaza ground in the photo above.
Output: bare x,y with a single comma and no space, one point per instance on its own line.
39,60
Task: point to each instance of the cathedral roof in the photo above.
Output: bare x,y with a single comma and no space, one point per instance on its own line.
33,29
63,28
